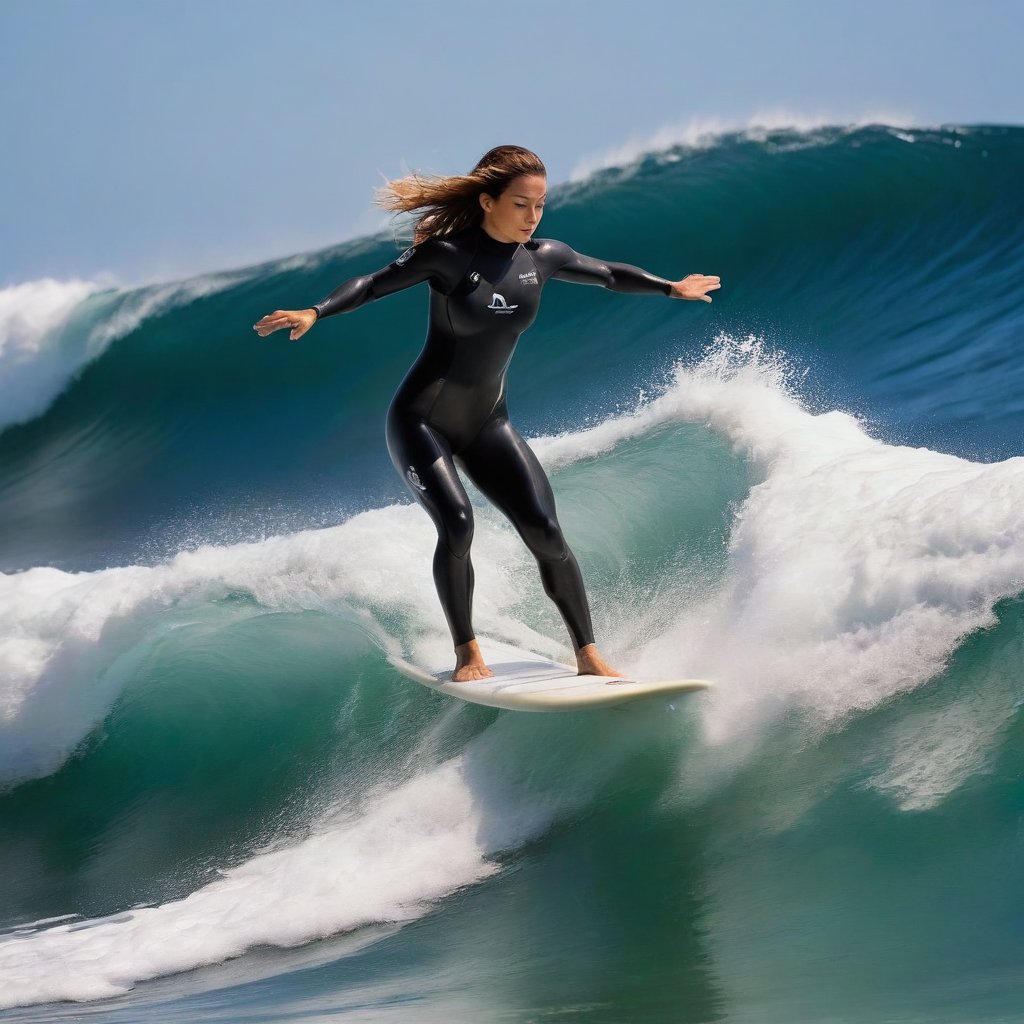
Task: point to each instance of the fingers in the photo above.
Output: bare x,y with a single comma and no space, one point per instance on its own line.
272,321
278,319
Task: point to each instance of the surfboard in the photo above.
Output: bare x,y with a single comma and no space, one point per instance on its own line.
526,681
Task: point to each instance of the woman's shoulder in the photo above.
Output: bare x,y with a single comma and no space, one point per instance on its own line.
443,247
550,251
544,244
433,251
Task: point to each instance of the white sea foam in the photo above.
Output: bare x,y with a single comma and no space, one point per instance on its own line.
856,567
410,846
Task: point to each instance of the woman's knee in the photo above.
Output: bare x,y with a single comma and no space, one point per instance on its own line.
455,530
545,540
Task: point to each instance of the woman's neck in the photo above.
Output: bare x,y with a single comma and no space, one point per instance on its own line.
496,241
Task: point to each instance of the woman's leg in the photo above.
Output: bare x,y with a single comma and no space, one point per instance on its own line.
506,470
423,458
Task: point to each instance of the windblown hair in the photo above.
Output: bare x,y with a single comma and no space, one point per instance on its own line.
452,204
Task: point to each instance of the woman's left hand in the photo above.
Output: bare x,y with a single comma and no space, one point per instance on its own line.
695,286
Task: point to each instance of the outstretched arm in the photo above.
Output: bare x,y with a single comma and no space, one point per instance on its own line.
414,266
623,277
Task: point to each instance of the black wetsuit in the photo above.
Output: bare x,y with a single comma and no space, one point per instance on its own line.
483,295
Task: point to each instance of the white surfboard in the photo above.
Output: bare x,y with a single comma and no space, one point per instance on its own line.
526,681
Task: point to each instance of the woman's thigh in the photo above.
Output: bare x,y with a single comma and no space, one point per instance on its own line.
510,475
423,458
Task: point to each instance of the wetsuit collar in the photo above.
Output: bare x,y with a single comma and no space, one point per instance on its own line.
487,242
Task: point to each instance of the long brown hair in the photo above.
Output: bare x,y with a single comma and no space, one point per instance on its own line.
452,203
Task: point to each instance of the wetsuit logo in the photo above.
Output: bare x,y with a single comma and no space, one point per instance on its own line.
414,478
405,257
499,305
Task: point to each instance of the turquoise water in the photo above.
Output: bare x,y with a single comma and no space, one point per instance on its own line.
220,804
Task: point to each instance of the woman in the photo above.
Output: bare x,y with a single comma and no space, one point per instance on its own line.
473,243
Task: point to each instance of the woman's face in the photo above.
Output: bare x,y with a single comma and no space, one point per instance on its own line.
515,214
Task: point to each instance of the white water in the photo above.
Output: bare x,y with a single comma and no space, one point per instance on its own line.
854,569
410,846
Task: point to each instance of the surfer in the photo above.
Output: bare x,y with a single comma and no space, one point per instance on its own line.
473,242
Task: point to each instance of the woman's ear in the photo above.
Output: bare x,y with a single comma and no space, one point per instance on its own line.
486,202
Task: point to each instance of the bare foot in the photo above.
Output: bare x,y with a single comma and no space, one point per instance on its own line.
590,663
469,663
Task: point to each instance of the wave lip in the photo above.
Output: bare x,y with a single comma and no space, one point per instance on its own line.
704,132
37,359
856,567
50,331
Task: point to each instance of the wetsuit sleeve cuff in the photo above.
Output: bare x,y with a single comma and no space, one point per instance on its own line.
627,278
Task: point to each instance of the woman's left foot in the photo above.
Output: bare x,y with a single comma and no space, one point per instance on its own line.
590,663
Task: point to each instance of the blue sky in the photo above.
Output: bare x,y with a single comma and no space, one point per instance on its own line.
148,139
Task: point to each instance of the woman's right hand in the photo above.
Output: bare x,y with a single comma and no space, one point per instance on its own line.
300,320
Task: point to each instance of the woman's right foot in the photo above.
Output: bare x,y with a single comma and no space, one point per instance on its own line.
469,663
590,663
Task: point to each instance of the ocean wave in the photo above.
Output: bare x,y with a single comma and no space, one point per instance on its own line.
696,133
50,330
853,570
